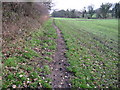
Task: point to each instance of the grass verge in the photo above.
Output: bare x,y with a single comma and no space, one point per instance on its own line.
28,64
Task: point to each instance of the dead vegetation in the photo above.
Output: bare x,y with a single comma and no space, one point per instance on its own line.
19,19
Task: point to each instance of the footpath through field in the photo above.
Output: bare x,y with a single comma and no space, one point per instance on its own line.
59,75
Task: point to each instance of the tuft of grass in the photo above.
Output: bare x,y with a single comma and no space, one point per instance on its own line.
29,53
46,69
48,58
11,62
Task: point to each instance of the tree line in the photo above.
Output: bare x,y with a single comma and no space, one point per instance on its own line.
106,10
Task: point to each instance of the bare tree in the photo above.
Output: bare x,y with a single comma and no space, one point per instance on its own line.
84,12
104,8
116,10
91,10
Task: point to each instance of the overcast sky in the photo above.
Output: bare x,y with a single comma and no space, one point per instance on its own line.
79,4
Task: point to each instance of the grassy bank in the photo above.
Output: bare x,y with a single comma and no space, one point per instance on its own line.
28,67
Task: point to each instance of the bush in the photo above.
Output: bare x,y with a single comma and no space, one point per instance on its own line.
20,18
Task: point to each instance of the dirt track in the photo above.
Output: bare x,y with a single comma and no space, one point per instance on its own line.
59,75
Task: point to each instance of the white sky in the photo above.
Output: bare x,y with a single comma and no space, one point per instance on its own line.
79,4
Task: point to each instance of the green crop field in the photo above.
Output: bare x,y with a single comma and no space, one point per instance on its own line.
92,51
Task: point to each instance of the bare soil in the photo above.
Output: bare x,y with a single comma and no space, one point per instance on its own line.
59,74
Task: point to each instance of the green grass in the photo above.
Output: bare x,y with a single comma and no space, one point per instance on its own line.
30,65
0,73
92,51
